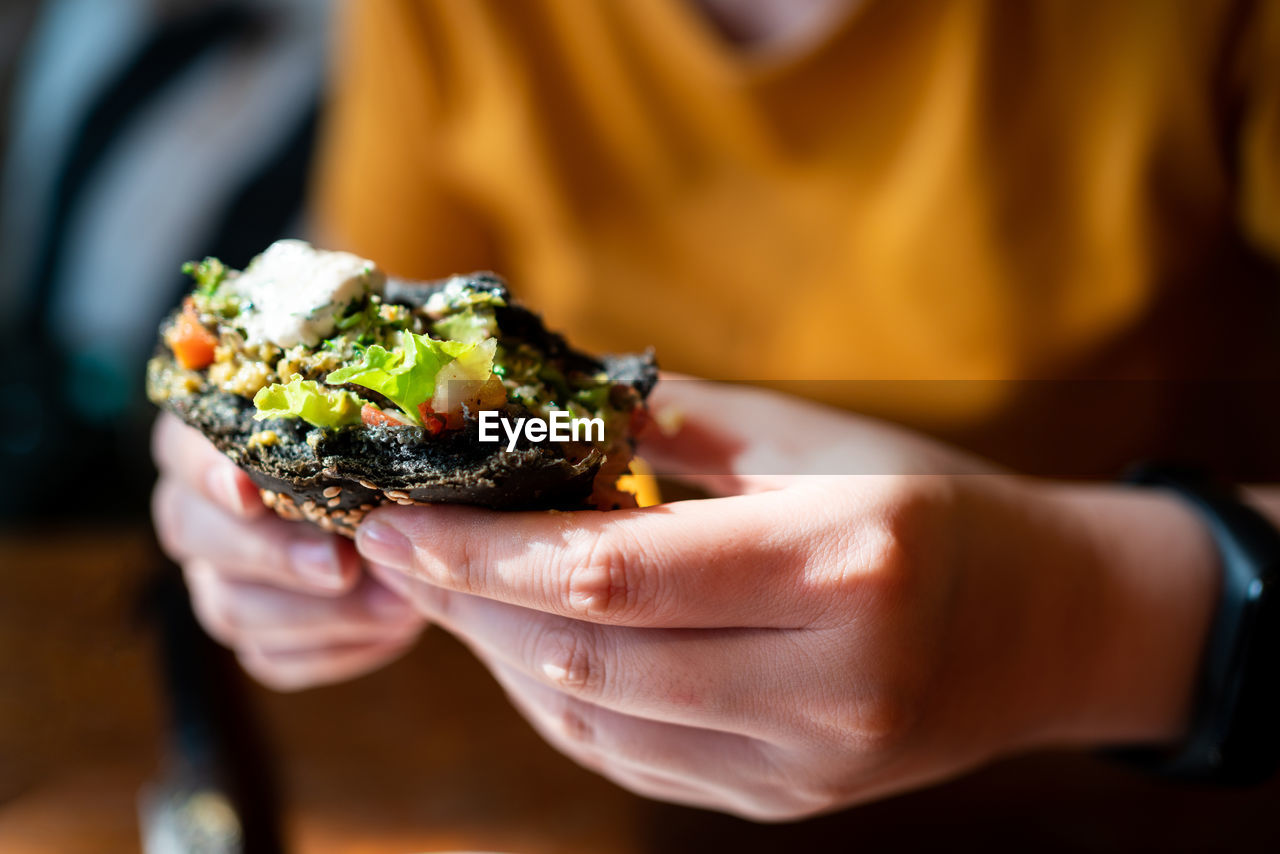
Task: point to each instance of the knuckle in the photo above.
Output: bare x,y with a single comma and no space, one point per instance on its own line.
888,576
877,725
892,553
889,549
567,657
882,725
796,788
900,524
607,583
573,725
463,569
915,504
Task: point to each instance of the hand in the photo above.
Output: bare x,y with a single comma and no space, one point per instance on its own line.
816,637
291,600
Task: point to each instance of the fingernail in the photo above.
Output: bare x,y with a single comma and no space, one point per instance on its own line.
223,487
317,562
381,543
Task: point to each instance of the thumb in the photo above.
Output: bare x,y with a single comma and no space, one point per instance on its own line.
725,438
743,438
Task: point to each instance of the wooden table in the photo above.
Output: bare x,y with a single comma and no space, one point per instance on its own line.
427,754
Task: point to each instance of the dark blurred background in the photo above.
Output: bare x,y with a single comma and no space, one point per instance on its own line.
139,134
135,135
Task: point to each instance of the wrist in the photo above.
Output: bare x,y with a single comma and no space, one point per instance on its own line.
1137,582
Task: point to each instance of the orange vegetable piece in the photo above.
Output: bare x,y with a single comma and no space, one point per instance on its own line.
191,342
372,416
432,421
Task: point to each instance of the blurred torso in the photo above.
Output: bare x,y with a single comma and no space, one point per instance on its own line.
934,212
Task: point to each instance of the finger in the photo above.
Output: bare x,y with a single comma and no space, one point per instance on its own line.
183,452
714,563
697,767
741,438
687,754
235,611
268,550
563,736
565,730
688,442
294,670
727,680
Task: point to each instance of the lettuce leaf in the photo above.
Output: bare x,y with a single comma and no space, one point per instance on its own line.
467,325
406,375
310,401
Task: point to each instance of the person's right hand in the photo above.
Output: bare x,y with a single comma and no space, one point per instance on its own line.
293,601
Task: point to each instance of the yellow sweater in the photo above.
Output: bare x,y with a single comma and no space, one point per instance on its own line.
939,198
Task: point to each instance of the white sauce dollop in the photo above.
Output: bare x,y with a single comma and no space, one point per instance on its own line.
293,294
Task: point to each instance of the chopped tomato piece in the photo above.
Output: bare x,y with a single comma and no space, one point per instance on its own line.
191,342
432,421
375,417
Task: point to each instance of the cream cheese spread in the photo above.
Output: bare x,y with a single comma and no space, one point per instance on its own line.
294,294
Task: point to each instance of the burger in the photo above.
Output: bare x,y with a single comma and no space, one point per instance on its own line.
338,389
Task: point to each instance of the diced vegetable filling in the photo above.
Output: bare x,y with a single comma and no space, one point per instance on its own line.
308,334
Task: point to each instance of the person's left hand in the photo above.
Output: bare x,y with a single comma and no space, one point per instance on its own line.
809,640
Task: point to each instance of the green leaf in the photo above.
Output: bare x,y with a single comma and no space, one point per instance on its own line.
406,375
208,274
310,401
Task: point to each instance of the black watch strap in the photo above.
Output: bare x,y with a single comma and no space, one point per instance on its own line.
1235,726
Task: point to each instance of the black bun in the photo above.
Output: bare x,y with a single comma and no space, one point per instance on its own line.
334,477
